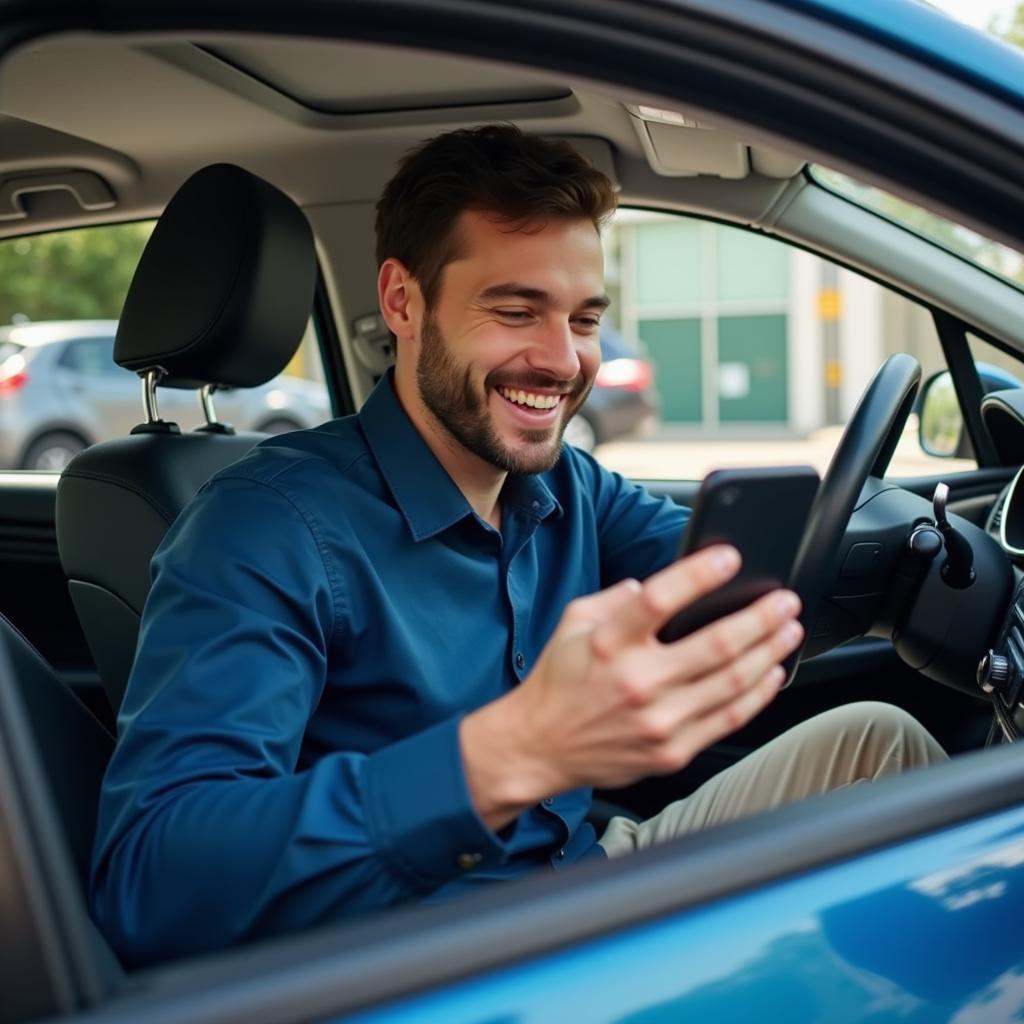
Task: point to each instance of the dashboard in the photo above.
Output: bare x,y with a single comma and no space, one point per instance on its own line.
1001,672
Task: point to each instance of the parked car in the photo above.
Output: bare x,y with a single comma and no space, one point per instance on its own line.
898,901
60,391
622,402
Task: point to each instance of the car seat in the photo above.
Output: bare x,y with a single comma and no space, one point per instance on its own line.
221,298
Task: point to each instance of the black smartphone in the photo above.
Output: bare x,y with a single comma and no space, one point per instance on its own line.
761,512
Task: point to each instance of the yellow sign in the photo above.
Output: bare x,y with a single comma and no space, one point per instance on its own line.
830,304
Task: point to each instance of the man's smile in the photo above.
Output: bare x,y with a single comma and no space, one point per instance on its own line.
533,399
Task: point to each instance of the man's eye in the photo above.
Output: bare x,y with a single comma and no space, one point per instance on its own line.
515,314
587,323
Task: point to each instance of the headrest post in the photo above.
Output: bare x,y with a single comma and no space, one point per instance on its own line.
205,394
150,379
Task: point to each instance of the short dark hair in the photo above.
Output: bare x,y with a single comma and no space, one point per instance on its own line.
494,168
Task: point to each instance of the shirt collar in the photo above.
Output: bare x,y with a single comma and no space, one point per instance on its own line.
426,495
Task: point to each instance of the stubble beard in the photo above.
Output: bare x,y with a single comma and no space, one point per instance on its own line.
447,391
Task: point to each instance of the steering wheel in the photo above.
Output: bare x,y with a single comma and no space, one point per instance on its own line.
864,451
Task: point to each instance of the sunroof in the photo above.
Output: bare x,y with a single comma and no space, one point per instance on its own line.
346,78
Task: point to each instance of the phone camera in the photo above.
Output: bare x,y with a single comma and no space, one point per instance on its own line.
729,496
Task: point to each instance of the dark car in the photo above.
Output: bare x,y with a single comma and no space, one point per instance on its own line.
623,400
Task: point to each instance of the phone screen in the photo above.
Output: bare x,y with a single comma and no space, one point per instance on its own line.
761,512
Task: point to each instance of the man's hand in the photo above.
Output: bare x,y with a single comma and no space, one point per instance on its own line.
608,703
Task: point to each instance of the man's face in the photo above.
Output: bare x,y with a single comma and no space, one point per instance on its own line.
510,350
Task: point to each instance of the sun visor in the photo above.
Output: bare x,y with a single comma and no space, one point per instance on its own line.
678,145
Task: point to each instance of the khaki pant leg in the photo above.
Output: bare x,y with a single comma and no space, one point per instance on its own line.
842,747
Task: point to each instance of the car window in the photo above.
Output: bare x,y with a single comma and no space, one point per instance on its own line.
757,351
994,257
61,293
91,356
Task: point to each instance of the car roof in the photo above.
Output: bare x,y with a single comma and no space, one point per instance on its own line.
925,31
46,332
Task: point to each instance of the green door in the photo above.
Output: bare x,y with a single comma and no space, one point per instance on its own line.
752,369
674,349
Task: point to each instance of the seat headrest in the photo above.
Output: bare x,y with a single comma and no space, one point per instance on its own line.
225,285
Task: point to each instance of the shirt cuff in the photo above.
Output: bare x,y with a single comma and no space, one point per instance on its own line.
419,811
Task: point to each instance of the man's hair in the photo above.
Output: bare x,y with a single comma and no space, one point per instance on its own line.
496,169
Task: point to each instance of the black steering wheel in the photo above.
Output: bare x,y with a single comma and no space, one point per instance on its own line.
864,451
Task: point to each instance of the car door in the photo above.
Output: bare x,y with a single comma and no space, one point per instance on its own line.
106,396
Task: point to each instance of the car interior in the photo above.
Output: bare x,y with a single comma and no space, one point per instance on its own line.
268,152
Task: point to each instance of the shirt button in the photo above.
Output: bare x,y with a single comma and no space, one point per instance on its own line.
548,801
468,861
536,504
520,660
561,854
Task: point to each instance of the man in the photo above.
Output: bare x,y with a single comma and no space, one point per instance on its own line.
377,664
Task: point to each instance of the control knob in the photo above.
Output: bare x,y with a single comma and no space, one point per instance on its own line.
994,672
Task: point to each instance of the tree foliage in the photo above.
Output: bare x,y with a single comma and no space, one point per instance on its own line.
69,275
1011,30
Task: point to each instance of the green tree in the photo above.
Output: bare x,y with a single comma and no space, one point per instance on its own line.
70,275
1012,30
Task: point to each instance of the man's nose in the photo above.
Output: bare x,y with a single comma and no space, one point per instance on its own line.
555,351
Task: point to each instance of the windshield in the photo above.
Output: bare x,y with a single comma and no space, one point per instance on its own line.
999,259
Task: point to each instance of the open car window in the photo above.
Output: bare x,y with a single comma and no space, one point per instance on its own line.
60,390
756,351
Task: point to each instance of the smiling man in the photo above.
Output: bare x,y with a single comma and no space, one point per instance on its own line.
386,660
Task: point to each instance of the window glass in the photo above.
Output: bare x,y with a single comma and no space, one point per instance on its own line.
668,264
999,259
748,269
91,356
998,368
60,390
756,352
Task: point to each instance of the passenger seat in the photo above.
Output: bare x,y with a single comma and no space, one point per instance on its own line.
221,298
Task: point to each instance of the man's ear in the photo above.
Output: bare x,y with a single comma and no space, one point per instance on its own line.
401,302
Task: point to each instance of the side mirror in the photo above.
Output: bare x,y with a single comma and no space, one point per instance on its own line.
940,426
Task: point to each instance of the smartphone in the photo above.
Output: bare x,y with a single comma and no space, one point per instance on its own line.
761,512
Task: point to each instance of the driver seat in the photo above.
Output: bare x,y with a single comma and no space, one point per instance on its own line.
221,298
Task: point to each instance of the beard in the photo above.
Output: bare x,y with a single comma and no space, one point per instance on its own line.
448,392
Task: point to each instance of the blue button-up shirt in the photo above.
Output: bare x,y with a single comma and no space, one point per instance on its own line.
321,617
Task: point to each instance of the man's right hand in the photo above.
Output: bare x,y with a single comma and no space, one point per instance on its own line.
608,703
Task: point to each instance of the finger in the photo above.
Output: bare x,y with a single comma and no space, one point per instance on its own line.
727,718
663,594
586,612
693,700
724,640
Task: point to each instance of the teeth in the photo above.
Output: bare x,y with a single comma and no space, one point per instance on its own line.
530,399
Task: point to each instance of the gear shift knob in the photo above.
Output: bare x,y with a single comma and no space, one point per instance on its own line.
958,569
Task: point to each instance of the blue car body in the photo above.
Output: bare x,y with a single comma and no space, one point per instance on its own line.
925,931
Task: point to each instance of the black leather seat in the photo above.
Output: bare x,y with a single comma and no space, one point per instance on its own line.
221,298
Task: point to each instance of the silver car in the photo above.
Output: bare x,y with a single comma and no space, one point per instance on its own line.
60,391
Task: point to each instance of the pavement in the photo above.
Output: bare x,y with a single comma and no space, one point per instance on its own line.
664,457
